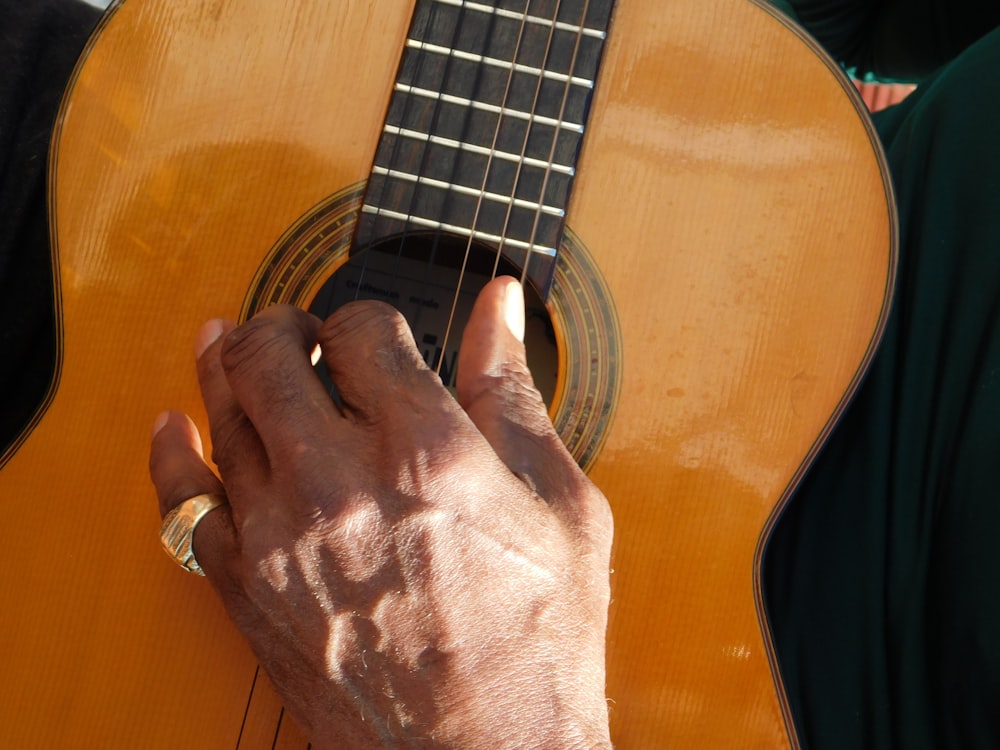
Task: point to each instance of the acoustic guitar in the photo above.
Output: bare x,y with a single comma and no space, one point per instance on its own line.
691,191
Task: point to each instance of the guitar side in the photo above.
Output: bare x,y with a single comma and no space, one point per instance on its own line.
732,197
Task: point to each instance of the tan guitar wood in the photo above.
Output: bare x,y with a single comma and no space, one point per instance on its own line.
733,196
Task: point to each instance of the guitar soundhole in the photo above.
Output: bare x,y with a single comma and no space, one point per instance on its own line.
310,266
433,280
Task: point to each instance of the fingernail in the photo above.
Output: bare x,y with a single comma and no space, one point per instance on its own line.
207,335
514,310
160,422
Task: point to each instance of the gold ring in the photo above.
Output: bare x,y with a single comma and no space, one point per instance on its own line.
177,530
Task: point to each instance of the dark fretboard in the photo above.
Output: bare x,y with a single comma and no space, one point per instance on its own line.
485,124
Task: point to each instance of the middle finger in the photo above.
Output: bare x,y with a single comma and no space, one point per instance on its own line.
267,367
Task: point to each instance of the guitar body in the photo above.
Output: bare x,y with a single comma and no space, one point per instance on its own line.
732,197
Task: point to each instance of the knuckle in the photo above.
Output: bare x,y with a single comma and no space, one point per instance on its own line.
258,357
364,322
255,341
593,516
518,388
373,332
597,512
229,433
509,391
157,460
209,369
172,491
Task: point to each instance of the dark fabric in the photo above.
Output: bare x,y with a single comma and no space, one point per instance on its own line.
883,578
40,41
902,39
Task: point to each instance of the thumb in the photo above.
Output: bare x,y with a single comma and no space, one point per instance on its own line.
498,393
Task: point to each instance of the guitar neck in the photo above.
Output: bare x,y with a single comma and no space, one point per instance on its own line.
484,126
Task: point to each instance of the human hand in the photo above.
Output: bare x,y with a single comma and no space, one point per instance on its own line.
408,570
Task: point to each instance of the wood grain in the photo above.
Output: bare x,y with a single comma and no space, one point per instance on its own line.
734,198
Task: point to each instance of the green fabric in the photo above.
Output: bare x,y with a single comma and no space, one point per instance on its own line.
883,578
894,39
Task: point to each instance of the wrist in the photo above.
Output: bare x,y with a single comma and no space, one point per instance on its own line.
536,712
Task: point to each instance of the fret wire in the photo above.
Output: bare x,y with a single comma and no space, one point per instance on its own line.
573,127
445,145
489,161
466,190
568,79
496,62
472,148
385,213
562,111
513,14
429,20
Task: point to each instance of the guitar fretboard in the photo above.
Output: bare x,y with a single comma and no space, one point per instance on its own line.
485,123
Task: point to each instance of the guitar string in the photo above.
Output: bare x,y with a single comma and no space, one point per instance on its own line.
555,139
246,709
436,116
438,234
366,252
524,150
277,729
433,9
426,157
486,174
